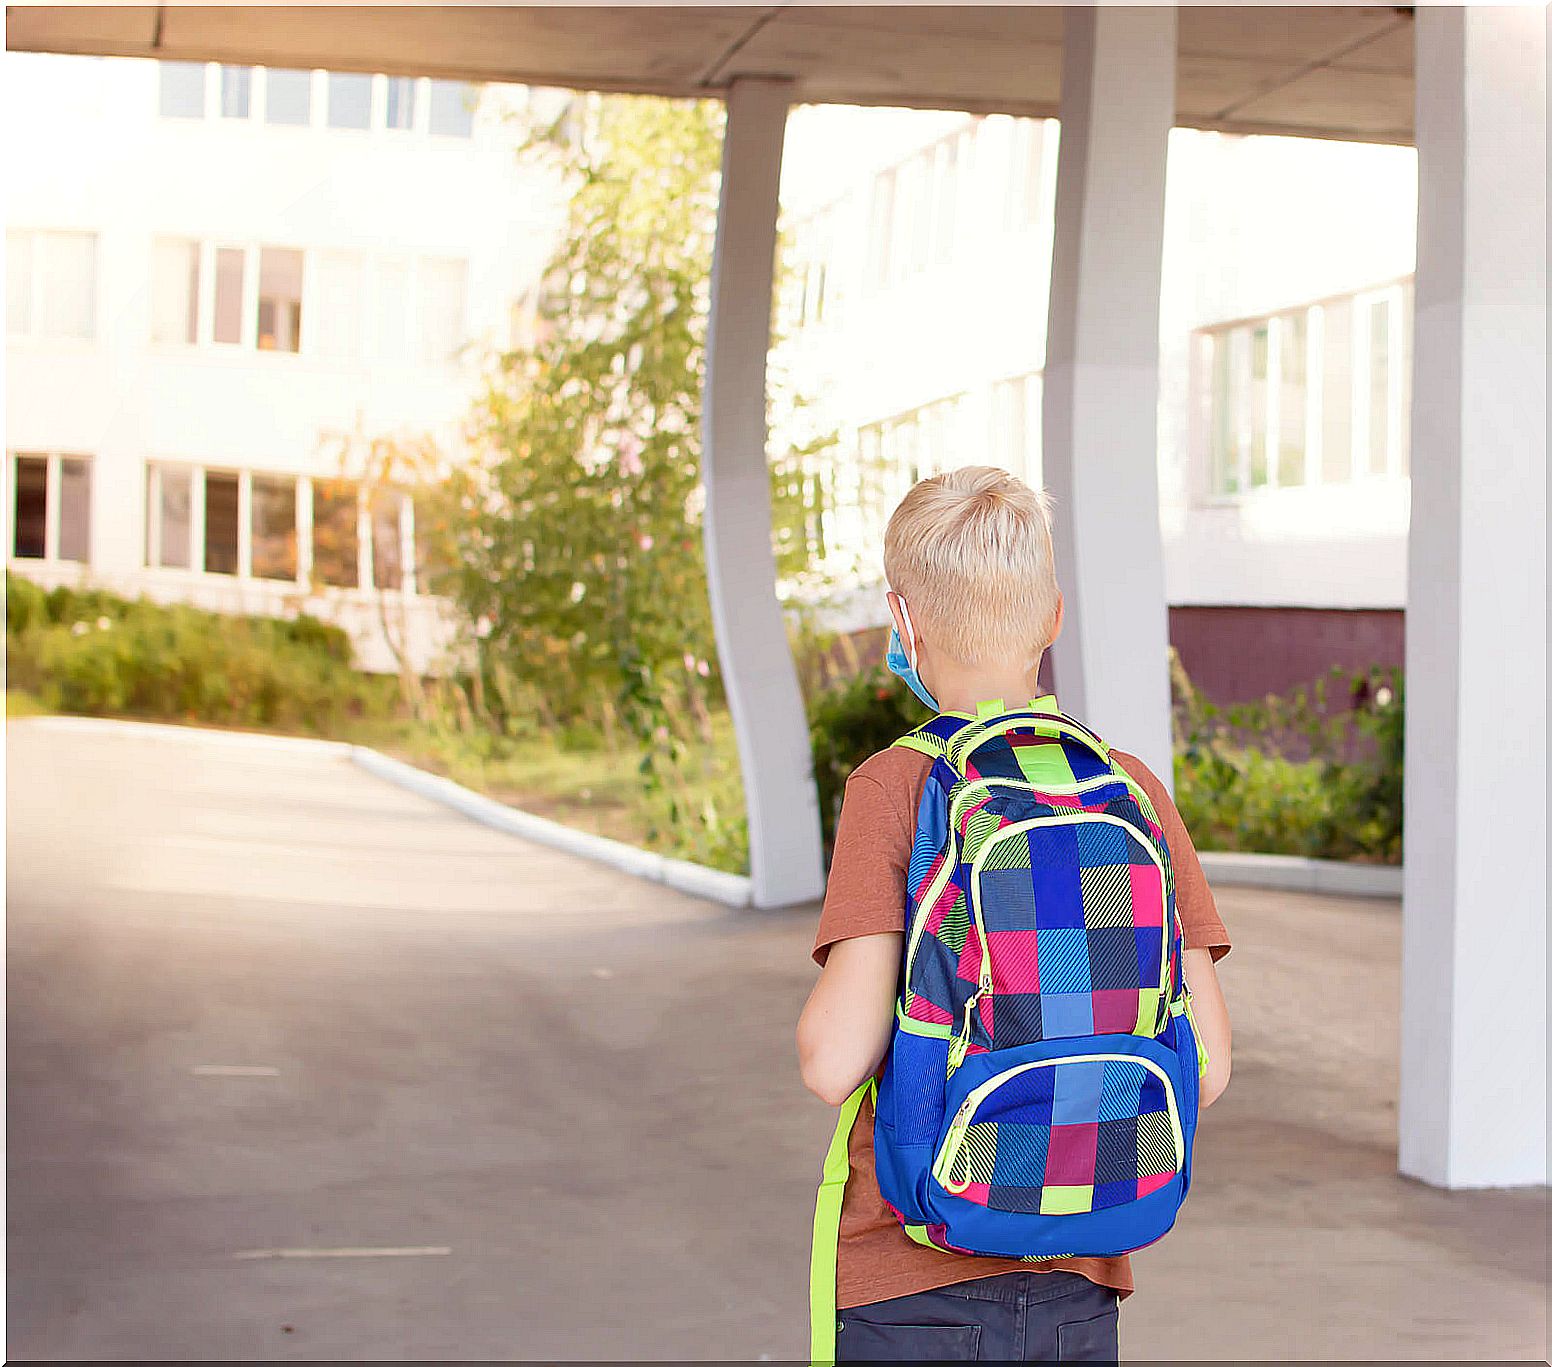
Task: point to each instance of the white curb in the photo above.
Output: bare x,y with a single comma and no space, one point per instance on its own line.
732,889
1294,873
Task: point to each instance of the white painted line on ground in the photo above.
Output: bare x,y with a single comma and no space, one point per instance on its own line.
233,1070
426,1251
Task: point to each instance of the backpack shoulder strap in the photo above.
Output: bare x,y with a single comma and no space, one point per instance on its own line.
935,738
827,1228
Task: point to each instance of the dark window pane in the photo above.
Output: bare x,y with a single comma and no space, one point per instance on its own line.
452,108
350,100
387,547
280,300
229,288
288,96
274,527
182,90
31,518
401,102
220,523
75,509
335,557
236,91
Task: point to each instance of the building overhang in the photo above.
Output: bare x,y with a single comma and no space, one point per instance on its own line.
1331,71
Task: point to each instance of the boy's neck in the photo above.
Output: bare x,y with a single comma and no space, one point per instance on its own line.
962,687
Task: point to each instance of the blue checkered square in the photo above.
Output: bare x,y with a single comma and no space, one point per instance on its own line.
1076,1095
1064,960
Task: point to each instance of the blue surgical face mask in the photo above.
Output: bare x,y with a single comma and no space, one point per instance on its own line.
903,665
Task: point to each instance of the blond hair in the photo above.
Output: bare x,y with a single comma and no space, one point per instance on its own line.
970,552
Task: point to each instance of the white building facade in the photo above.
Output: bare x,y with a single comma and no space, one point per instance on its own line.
919,254
224,284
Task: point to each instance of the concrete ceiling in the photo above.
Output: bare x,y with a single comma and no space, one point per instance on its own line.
1320,71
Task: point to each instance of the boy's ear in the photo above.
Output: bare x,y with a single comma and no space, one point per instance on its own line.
893,599
1056,626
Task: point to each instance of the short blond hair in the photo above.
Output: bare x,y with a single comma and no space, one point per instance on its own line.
970,552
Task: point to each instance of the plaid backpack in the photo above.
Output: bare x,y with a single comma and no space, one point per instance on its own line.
1039,1096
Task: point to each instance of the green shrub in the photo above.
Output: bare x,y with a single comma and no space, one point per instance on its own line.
1316,773
96,653
850,720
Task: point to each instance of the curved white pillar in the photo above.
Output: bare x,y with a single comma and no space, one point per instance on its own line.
785,853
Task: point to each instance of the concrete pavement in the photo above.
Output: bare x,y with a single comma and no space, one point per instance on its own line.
302,1066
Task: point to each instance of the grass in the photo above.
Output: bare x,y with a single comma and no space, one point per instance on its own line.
20,703
599,790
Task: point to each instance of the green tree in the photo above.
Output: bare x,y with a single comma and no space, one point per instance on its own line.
575,544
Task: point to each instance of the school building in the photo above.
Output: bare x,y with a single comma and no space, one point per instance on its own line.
1465,86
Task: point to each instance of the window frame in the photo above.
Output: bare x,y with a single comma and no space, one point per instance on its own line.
1238,335
304,482
53,509
36,296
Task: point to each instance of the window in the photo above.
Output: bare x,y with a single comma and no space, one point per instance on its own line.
75,509
350,100
181,90
18,283
30,515
227,325
169,516
288,96
236,91
336,555
1022,206
1292,398
917,209
222,520
1310,395
452,108
334,328
388,539
174,290
881,226
390,314
440,326
273,527
1015,434
280,300
400,111
51,512
51,284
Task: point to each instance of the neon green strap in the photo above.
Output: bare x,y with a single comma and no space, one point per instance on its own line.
827,1228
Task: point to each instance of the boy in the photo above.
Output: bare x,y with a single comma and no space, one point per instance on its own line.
975,602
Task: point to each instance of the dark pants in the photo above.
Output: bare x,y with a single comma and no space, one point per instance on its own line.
1016,1316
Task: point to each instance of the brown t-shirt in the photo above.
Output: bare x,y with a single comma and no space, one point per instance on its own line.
876,1259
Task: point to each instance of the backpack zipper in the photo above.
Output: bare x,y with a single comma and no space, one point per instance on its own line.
978,864
954,1140
951,850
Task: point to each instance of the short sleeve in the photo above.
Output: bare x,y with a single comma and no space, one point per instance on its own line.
1200,923
866,893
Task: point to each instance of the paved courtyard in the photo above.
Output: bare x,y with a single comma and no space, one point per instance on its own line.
302,1066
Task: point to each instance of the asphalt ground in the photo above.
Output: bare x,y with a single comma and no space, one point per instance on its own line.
302,1066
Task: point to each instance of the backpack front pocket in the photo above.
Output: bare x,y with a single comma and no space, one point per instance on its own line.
1067,1135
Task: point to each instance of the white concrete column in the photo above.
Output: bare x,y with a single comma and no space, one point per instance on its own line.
1474,952
1100,420
785,855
